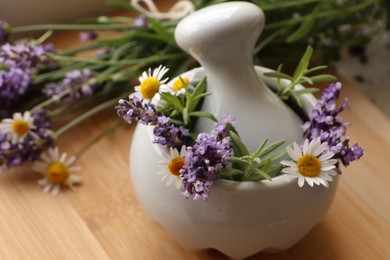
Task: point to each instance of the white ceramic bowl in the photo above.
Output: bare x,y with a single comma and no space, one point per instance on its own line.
239,218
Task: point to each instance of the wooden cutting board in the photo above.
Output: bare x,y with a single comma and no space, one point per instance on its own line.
102,219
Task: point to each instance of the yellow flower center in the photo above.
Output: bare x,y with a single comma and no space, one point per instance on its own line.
57,173
20,127
149,87
178,84
309,165
175,165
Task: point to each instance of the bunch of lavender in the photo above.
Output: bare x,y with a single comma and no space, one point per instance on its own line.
76,85
167,134
327,125
19,63
205,159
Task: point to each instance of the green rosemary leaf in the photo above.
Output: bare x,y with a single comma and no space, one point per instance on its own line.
305,79
275,171
304,63
198,91
237,160
267,165
260,175
322,67
261,146
229,172
203,114
306,91
277,74
173,100
201,96
186,117
200,88
324,77
272,147
238,146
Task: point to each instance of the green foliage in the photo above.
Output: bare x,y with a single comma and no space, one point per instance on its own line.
183,108
253,166
300,76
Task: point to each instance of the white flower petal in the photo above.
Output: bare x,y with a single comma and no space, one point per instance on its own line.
289,170
288,163
309,181
323,182
301,181
47,187
326,156
56,190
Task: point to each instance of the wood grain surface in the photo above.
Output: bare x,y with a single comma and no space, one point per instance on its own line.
102,219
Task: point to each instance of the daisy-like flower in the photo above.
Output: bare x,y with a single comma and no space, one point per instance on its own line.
19,127
170,168
178,86
151,85
58,170
312,163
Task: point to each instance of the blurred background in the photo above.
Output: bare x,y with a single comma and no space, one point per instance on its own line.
26,12
365,66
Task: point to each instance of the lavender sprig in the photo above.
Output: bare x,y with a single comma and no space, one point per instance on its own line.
327,125
167,134
77,84
205,160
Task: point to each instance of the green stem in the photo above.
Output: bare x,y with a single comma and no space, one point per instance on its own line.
121,62
50,100
75,50
279,5
57,74
65,27
320,15
86,115
44,37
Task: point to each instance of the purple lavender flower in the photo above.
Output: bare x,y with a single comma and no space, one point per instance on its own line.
14,83
220,128
76,84
25,55
134,110
88,36
14,154
18,62
167,134
327,125
4,32
104,51
141,21
205,160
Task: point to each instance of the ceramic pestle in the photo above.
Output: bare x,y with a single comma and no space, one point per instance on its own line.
222,38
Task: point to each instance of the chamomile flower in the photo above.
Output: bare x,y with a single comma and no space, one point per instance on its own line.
171,166
58,170
178,85
151,85
19,127
311,163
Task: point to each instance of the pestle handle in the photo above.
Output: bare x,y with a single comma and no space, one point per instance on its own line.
222,32
222,38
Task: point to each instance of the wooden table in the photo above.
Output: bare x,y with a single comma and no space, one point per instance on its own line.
102,219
